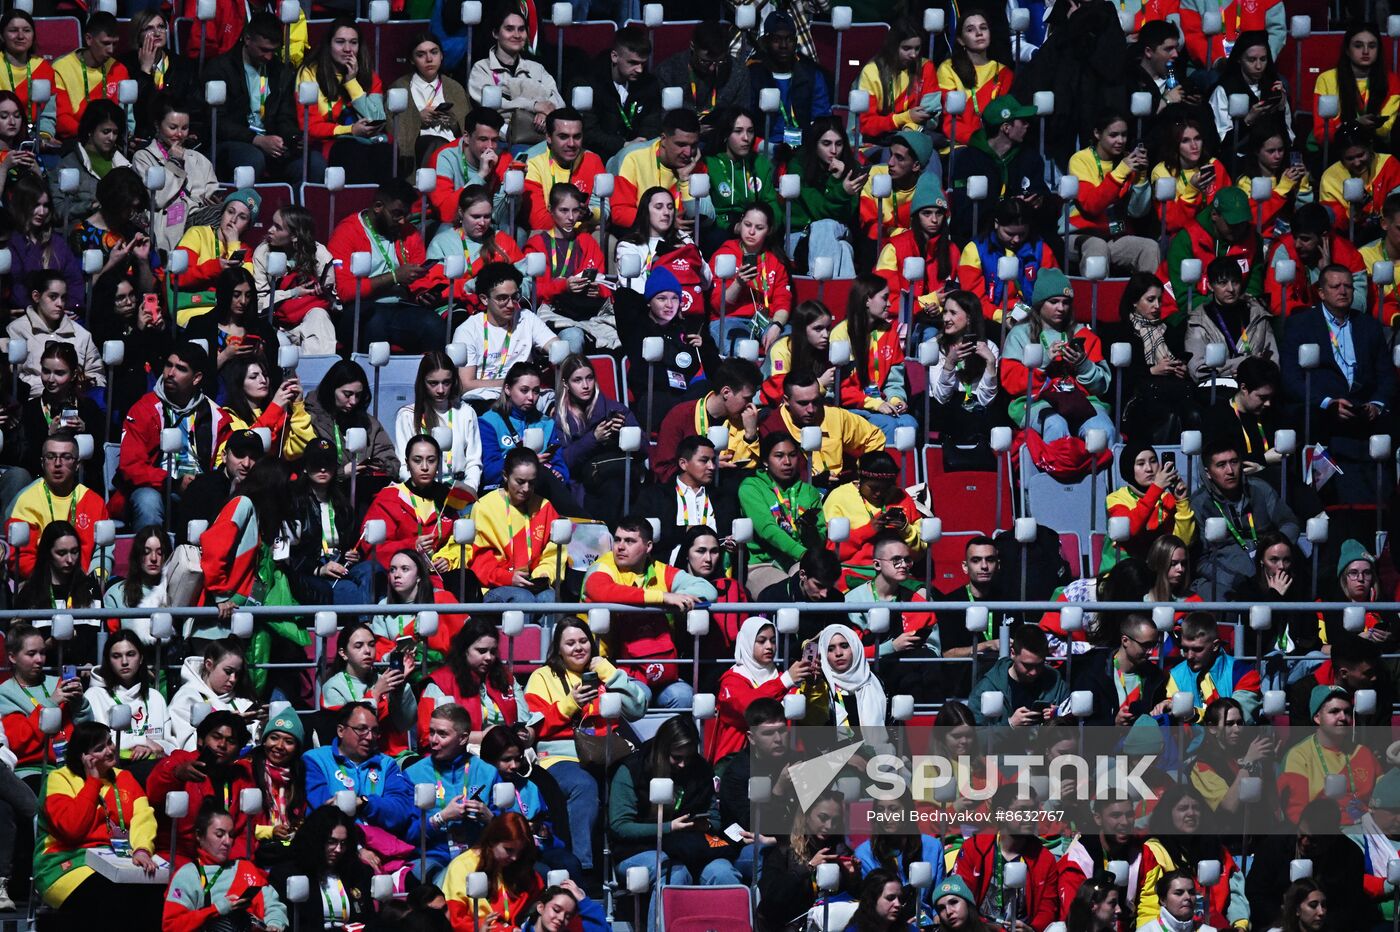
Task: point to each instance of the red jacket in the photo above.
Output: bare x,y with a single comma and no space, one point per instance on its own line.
140,462
976,862
563,260
470,299
445,681
771,290
221,33
350,237
1302,293
903,246
403,526
727,732
163,782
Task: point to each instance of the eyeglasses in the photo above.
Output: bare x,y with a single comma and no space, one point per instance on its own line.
898,561
506,300
59,458
1359,574
365,731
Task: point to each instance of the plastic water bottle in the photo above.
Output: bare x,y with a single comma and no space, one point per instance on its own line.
1171,77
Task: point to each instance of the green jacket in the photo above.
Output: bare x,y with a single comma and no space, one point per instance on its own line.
827,203
734,184
1051,688
772,542
1198,241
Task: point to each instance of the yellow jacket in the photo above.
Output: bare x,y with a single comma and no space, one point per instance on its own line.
845,502
81,812
292,442
505,534
842,432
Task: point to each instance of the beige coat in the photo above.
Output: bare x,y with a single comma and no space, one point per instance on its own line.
36,333
521,89
188,183
1202,330
408,123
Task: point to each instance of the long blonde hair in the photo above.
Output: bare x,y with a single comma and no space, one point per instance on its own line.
566,404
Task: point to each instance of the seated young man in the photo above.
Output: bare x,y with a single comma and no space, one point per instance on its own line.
628,575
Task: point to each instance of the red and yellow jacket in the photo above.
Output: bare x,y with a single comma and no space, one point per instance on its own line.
884,354
1189,200
509,540
163,782
1383,177
846,502
19,83
892,115
542,173
83,508
770,292
510,908
894,216
1302,292
1100,187
1327,84
327,119
562,259
1385,299
903,246
993,80
504,244
75,85
642,169
406,516
20,709
75,816
1281,200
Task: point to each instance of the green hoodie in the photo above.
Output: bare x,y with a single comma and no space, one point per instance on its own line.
980,142
732,180
773,543
830,202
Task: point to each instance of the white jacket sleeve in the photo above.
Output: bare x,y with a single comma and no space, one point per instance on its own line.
467,442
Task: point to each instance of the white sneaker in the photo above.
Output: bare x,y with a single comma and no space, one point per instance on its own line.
6,904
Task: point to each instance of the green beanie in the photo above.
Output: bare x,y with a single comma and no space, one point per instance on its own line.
954,886
282,718
1319,696
1353,550
1144,737
928,192
1386,793
918,143
1050,283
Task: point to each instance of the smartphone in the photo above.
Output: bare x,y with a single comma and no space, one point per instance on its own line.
27,146
590,679
968,339
395,662
151,304
238,255
1077,343
69,416
1295,159
590,275
69,672
751,262
1039,706
811,653
404,644
1169,459
443,107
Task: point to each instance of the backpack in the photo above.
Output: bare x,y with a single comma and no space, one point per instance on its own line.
1046,569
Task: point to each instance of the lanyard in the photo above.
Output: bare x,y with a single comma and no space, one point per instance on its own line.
1234,531
329,537
337,907
695,96
36,702
381,247
350,682
121,817
784,510
72,505
489,371
1239,347
1322,762
33,110
510,534
339,444
628,113
559,266
414,501
705,510
208,885
264,91
991,618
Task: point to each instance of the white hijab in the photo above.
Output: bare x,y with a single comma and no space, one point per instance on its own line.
858,678
744,663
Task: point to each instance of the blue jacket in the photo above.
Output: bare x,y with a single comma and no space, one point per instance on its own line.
932,852
388,793
499,434
469,775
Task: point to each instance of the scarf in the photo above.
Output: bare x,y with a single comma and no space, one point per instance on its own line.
1171,924
1153,334
744,663
857,678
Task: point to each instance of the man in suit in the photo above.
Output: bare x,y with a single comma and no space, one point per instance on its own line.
1352,387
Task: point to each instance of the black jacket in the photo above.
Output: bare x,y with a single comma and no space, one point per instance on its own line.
679,360
310,914
659,500
181,82
203,500
610,124
279,114
1338,867
1022,171
1093,671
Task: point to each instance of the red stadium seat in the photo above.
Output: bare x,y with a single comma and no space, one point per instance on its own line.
121,553
1069,549
908,464
528,649
396,47
56,36
858,46
966,501
592,39
605,369
948,559
701,909
670,38
833,293
1319,53
1096,545
350,199
1110,294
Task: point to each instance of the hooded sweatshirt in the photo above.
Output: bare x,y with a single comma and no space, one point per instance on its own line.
205,426
195,689
20,709
150,716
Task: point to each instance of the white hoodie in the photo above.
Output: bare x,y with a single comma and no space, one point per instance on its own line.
194,689
150,718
